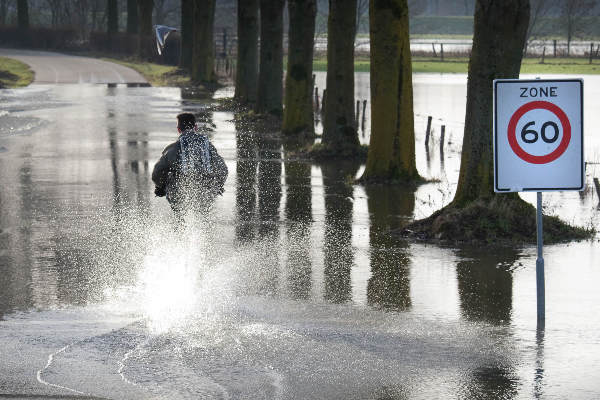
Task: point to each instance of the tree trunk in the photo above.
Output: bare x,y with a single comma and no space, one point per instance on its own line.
146,44
392,147
498,40
112,17
339,130
203,52
132,16
270,76
187,33
246,78
22,15
298,111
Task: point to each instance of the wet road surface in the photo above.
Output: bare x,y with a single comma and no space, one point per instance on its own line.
291,288
57,68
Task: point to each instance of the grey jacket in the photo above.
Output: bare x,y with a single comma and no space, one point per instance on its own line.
190,165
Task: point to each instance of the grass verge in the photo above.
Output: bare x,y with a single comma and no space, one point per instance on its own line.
499,221
156,74
14,73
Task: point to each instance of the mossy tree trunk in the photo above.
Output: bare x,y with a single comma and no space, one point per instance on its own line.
203,51
187,33
246,78
132,16
146,44
392,147
270,76
298,111
339,130
500,28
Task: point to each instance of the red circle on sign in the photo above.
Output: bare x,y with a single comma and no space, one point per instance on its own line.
512,132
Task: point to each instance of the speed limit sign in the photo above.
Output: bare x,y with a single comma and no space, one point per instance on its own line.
538,135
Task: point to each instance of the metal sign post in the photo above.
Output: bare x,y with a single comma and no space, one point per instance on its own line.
539,266
538,146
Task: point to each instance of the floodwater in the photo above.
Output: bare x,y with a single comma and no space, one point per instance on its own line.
290,289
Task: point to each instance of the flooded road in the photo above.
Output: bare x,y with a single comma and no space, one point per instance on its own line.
290,288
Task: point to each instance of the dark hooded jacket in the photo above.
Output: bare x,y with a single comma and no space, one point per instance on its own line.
190,170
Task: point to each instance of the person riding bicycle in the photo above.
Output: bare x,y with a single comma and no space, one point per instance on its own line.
190,172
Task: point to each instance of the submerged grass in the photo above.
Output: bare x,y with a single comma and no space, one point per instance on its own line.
14,73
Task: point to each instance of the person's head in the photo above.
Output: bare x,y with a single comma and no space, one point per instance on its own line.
185,121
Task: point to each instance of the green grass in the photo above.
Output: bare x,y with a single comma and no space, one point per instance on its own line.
14,73
573,66
156,74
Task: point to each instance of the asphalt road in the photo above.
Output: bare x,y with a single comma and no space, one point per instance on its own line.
57,68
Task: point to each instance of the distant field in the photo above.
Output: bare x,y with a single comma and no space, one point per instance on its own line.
575,66
588,28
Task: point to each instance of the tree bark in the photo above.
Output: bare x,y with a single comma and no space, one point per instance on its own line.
112,16
146,39
203,52
499,37
132,16
246,78
187,33
339,131
298,111
392,146
270,76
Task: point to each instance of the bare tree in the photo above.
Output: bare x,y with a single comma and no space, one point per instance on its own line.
539,9
146,39
248,27
270,75
112,15
3,11
362,8
163,9
23,14
339,132
132,16
187,33
572,13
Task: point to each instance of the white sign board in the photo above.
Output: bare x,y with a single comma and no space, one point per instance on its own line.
538,135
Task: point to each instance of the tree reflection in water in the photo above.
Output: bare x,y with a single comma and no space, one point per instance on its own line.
258,197
245,195
298,212
338,252
390,207
485,284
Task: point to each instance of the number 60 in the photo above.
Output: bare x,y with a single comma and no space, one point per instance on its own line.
531,136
